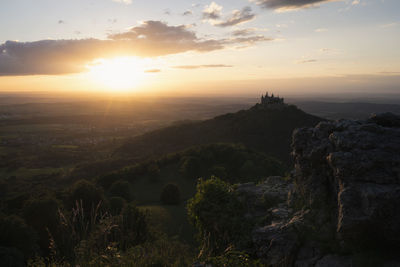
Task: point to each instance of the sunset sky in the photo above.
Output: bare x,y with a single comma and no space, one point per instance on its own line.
199,46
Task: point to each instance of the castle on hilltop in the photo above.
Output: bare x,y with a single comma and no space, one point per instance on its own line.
268,100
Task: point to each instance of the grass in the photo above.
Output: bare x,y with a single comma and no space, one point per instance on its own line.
65,146
28,173
147,191
172,220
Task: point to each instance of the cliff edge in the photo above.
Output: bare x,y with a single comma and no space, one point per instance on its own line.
343,205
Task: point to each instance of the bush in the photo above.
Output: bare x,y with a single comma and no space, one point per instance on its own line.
116,205
133,227
218,215
219,171
14,233
170,195
121,189
11,257
234,259
190,167
153,171
87,193
42,215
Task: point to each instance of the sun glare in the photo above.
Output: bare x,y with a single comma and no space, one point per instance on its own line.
117,74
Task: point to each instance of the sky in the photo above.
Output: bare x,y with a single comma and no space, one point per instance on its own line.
200,47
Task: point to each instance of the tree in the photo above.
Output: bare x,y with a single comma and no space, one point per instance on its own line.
87,193
190,167
42,215
170,195
122,189
14,233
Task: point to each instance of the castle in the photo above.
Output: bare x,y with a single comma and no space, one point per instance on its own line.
268,100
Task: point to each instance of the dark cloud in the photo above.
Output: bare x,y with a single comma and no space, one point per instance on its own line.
187,13
155,38
61,21
192,67
237,17
288,4
150,39
50,56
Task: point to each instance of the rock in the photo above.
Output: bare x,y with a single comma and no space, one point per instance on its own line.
261,197
386,119
341,205
335,261
350,171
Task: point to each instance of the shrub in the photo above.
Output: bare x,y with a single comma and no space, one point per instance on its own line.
218,215
153,171
11,257
133,227
234,259
190,167
170,195
116,205
121,189
219,171
15,233
87,193
42,215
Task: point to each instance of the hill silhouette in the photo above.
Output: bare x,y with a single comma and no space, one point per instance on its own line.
266,127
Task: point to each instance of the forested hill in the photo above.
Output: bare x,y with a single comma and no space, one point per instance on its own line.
266,129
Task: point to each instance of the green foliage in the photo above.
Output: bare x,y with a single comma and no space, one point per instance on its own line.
171,195
234,259
121,189
133,227
219,171
11,257
218,216
160,253
87,193
14,233
42,215
116,205
190,167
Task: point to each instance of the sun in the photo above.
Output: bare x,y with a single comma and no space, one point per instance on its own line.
117,74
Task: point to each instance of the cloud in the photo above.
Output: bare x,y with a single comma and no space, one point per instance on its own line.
286,5
250,40
155,38
306,61
191,67
212,11
149,39
243,32
152,71
321,30
237,17
187,13
127,2
61,21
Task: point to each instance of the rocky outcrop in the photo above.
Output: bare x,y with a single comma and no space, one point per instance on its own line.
344,201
